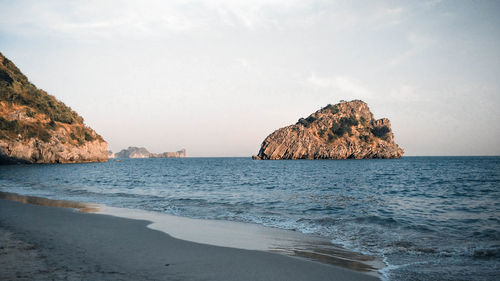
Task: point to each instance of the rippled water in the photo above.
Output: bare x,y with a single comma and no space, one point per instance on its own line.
430,218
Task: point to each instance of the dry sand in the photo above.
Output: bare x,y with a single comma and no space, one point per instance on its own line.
51,243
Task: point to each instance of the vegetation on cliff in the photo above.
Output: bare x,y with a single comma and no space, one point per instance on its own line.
17,93
30,117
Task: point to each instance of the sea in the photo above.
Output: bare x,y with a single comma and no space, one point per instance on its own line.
426,218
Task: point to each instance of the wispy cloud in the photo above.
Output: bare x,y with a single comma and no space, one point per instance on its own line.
129,18
418,43
243,62
346,85
387,16
406,94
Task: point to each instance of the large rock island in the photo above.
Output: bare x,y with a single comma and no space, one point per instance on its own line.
37,128
142,152
346,130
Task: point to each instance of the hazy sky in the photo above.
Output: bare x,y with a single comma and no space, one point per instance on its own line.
216,77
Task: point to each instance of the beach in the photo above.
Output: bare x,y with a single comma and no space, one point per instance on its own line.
45,243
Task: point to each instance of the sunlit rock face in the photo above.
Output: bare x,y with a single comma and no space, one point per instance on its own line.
346,130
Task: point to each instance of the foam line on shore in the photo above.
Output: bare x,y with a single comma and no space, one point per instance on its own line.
221,233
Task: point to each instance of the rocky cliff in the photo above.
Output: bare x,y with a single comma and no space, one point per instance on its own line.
37,128
141,152
343,131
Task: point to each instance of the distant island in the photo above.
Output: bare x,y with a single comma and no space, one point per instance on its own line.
141,152
37,128
346,130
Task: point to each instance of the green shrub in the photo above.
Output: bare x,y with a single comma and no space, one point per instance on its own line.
5,77
307,121
82,134
332,137
311,119
303,122
10,126
333,108
52,125
11,129
364,138
88,136
342,130
380,132
344,126
29,112
44,136
351,121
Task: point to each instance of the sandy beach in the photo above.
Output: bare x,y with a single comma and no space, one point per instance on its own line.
54,243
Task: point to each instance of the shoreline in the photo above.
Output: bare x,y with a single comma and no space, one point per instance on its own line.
249,236
84,242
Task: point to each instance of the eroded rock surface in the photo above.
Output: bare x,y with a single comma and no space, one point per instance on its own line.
346,130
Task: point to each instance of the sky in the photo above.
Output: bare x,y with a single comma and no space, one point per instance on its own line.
217,77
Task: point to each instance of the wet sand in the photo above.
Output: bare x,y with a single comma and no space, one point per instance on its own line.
46,243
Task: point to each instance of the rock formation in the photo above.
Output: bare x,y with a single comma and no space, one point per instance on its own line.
141,152
110,154
37,128
178,154
133,152
343,131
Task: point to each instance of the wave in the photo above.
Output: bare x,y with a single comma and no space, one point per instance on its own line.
416,210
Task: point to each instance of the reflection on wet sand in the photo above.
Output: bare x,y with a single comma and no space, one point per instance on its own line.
336,256
227,234
80,206
253,237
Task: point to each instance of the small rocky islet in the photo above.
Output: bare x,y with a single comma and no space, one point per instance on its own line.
346,130
142,152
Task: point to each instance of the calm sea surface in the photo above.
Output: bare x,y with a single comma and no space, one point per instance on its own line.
429,218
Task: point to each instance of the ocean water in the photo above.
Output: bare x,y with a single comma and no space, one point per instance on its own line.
428,218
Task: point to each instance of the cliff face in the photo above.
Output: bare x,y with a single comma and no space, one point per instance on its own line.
343,131
37,128
141,152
